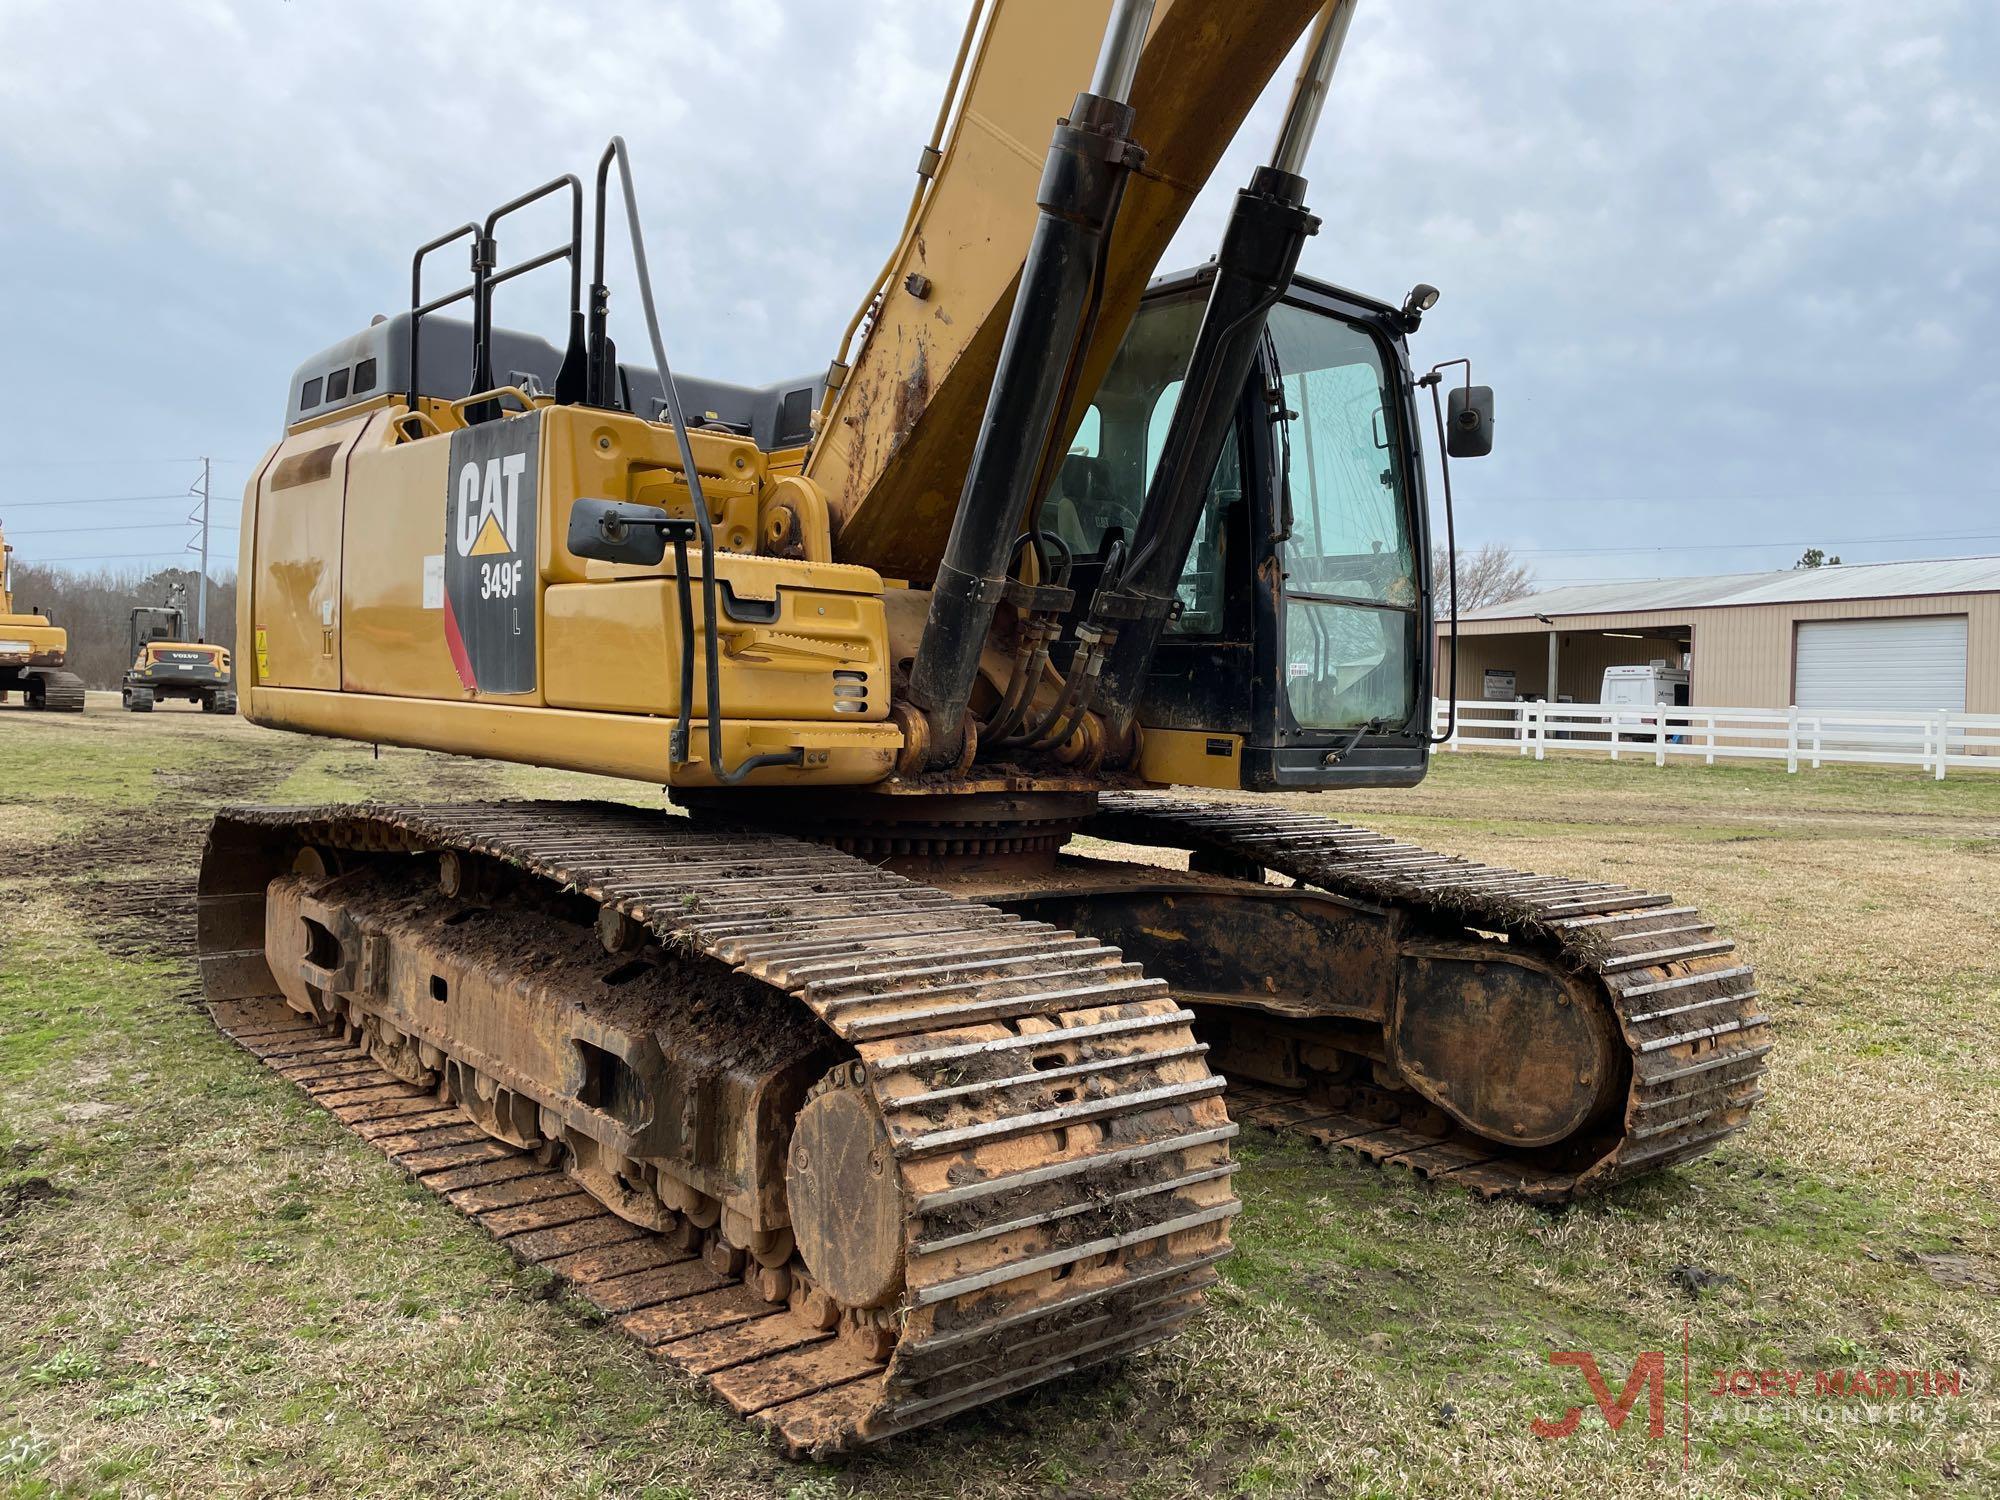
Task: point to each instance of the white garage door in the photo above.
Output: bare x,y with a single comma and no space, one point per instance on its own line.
1896,666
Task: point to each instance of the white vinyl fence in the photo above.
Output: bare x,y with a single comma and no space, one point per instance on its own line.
1810,737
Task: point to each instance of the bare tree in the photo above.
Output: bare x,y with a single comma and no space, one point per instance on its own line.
1492,575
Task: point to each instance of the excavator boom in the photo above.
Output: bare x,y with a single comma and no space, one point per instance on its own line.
900,430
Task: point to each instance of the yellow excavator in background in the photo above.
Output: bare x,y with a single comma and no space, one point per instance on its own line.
33,652
852,1091
167,664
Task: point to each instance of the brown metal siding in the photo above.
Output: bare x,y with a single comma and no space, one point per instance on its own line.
1742,654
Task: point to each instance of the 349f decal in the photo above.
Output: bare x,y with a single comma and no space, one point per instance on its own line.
489,555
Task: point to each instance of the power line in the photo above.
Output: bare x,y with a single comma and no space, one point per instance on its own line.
93,500
122,526
112,556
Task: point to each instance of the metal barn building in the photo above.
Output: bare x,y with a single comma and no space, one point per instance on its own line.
1883,637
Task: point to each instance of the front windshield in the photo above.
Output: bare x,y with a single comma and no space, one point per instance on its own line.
1350,632
1351,612
1101,487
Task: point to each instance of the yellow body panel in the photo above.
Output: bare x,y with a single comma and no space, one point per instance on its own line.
394,521
347,528
631,745
616,647
31,638
1192,757
296,513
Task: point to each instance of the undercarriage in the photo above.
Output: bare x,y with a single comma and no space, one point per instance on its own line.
43,687
141,690
859,1153
866,1146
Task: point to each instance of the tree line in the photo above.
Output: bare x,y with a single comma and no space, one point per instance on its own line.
96,609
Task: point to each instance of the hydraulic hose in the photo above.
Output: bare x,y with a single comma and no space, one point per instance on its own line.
710,599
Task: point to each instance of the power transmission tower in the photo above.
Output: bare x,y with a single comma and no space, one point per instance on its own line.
199,516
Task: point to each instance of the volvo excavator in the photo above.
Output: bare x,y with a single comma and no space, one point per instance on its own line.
167,664
34,652
895,1068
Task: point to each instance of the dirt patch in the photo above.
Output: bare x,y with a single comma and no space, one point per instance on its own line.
23,1192
1960,1270
138,916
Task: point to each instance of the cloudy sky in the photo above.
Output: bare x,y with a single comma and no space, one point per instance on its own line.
1729,264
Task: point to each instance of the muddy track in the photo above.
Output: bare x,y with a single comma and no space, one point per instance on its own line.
1061,1146
1683,1002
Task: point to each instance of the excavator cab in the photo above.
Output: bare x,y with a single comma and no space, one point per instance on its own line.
1301,647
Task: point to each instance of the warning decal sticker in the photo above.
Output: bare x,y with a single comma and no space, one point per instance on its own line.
489,557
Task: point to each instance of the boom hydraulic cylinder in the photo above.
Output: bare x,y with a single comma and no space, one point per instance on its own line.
1260,250
1082,182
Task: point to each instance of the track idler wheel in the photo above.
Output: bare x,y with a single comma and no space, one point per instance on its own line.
845,1192
1511,1048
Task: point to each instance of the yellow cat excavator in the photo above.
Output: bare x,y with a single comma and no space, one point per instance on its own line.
33,652
857,1091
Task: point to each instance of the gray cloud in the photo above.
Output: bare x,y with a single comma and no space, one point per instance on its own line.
1729,265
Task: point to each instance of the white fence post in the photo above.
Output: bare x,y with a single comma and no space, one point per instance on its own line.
1817,722
1792,738
1711,738
1541,731
1612,719
1659,739
1943,740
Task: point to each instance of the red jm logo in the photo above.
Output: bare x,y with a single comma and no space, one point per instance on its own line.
1649,1375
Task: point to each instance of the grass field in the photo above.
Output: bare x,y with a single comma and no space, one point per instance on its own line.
208,1287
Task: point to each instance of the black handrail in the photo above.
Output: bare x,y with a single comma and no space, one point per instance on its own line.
486,275
418,307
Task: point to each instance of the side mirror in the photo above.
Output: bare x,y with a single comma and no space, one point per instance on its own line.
1468,424
614,531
